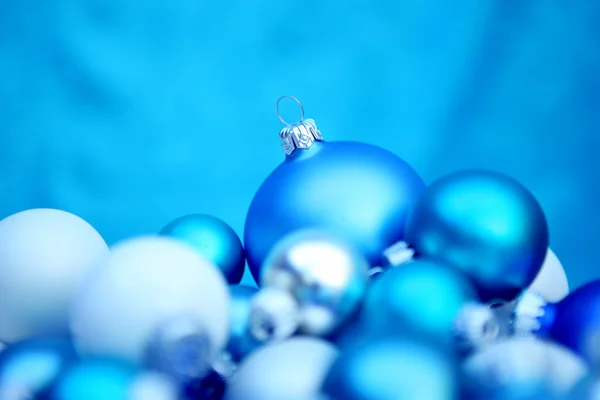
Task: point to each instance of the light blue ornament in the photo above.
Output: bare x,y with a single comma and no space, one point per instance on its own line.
95,379
383,368
28,368
214,239
485,224
421,295
241,342
357,191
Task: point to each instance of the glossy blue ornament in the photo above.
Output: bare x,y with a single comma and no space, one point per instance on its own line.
241,342
421,295
214,239
95,379
487,225
384,368
573,322
31,366
357,191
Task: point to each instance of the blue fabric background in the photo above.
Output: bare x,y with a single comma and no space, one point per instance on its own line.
130,113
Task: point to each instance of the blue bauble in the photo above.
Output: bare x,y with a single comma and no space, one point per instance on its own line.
241,342
31,366
384,368
95,379
421,295
211,387
485,224
359,192
573,322
214,239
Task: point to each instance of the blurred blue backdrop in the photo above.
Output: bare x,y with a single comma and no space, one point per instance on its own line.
131,113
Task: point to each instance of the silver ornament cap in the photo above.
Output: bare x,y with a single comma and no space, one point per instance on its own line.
476,327
298,135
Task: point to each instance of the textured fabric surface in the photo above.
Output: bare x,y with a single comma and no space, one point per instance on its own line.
131,113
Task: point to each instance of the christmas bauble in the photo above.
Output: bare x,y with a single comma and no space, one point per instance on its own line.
214,239
323,274
551,282
393,367
485,224
44,256
28,368
147,286
518,368
293,369
573,322
103,379
355,190
241,342
420,295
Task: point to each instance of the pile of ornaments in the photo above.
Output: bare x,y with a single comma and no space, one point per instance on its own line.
372,285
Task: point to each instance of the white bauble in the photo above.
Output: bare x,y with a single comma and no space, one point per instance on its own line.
293,370
522,362
44,255
145,282
551,282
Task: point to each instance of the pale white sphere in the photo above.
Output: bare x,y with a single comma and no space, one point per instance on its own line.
293,370
522,361
551,282
153,386
146,282
44,255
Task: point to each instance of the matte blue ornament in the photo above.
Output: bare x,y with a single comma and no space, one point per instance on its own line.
384,368
485,224
28,368
573,322
214,239
359,192
241,342
421,295
95,379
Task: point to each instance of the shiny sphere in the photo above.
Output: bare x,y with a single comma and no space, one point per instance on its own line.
44,256
241,342
392,368
293,369
360,192
28,368
214,239
551,282
487,225
324,274
146,282
103,379
519,368
420,295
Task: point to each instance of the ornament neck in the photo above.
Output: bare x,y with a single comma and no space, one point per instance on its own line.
533,315
298,135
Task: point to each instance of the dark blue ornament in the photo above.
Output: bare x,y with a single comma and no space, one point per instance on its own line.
211,387
421,295
485,224
241,342
31,366
573,322
393,367
359,192
214,239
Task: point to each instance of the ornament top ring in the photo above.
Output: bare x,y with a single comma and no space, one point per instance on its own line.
299,135
297,102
